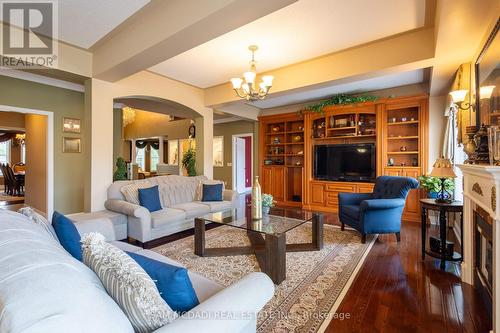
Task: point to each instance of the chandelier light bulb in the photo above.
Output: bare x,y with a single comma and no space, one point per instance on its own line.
246,88
268,80
249,77
236,82
263,86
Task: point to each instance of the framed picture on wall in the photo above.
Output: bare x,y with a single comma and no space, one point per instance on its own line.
72,145
218,153
71,125
173,152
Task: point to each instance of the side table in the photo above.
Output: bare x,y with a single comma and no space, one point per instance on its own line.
443,208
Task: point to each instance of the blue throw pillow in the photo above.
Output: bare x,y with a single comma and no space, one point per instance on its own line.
172,281
68,235
212,192
150,198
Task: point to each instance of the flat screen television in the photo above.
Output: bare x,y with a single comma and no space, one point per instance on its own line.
349,162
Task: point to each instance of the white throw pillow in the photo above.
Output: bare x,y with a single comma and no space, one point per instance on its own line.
131,191
39,219
199,189
127,283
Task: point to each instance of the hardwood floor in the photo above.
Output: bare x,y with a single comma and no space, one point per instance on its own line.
396,292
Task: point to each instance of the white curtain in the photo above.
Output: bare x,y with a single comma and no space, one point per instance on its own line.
449,142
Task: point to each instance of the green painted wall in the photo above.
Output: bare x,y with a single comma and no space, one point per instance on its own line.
69,169
228,130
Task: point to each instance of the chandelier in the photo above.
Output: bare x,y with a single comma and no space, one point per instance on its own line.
21,137
246,88
128,116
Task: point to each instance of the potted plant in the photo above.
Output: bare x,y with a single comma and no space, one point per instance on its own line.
121,170
433,185
189,162
267,203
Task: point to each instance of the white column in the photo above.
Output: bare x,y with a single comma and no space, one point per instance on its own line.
134,152
496,276
160,150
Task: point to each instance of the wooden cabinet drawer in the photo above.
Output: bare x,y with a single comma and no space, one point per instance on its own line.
340,187
365,188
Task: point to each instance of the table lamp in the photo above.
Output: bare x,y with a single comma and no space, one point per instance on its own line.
443,169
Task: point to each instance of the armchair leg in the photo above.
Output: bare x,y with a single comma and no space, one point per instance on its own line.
342,226
398,237
363,238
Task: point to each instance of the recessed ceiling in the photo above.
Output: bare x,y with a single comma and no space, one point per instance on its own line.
301,31
377,83
84,22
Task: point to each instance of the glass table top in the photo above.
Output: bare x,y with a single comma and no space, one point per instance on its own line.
278,221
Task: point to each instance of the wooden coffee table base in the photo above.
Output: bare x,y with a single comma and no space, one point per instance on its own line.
270,250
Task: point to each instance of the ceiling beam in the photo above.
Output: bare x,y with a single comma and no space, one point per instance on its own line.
403,52
164,29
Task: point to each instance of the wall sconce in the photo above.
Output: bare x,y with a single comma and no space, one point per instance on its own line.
486,92
458,97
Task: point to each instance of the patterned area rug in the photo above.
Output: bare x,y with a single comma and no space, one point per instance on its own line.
315,281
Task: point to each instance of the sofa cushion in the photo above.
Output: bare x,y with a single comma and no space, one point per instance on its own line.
172,282
150,198
176,189
128,284
199,188
212,192
68,235
37,218
166,215
44,289
217,206
351,210
131,191
193,209
203,287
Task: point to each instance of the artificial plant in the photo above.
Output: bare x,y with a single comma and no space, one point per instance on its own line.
189,162
121,169
433,184
267,200
341,99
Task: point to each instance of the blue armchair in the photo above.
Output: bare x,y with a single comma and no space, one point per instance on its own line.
378,212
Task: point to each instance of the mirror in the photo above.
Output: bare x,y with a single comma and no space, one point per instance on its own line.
488,81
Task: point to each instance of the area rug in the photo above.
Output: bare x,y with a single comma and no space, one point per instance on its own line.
315,282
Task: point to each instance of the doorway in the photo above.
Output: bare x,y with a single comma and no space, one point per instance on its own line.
242,162
33,154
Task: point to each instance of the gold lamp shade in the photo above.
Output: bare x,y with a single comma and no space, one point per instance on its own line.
443,168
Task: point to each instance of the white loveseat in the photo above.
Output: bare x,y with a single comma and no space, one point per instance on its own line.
179,198
44,289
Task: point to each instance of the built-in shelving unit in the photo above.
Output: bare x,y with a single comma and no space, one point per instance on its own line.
397,127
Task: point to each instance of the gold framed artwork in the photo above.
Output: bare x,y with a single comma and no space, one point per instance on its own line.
72,145
71,125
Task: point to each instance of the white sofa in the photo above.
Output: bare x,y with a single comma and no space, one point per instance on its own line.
43,289
179,200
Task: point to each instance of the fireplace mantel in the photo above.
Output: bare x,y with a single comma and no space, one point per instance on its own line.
482,189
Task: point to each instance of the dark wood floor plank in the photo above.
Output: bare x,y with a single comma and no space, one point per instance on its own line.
395,291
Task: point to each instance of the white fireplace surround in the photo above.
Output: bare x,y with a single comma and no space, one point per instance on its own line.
482,188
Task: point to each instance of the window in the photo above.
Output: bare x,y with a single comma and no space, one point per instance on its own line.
4,152
154,158
140,158
218,151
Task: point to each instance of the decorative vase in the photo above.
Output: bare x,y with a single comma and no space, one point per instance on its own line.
265,210
256,200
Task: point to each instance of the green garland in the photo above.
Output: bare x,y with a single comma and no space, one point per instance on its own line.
341,99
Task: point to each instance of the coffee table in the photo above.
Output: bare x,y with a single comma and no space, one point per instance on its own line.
267,236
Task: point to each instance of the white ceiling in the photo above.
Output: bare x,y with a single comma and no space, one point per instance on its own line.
377,83
301,31
84,22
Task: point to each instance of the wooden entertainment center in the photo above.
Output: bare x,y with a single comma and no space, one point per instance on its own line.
397,126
